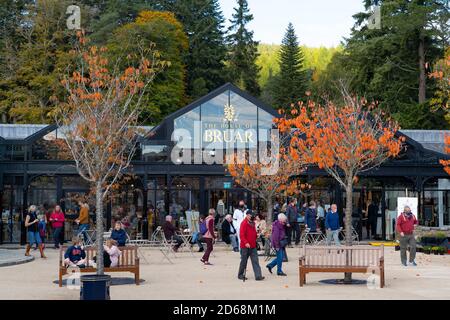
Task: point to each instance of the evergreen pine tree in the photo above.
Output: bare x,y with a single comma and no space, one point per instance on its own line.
203,23
243,51
292,81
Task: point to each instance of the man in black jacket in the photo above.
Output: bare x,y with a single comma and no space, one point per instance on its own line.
229,233
293,228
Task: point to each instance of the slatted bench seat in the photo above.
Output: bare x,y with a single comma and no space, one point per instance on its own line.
357,259
128,262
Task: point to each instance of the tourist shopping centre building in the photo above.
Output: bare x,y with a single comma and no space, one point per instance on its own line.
33,169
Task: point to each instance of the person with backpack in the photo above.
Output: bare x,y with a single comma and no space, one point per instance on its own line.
209,236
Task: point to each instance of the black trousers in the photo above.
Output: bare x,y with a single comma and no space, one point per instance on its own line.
58,236
373,227
293,232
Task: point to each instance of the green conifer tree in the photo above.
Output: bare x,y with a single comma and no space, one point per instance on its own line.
243,51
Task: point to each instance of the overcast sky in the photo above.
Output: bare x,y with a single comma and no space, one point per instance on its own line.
317,22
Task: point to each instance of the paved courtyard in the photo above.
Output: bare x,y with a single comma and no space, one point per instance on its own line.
188,279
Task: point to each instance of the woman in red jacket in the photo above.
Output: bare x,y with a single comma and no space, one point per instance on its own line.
57,219
209,236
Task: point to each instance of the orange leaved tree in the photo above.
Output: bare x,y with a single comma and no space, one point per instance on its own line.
273,175
98,119
343,140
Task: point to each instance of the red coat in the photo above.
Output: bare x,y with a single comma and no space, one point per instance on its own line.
247,234
57,219
406,225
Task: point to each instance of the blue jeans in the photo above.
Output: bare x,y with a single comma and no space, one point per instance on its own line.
34,237
234,242
278,261
335,235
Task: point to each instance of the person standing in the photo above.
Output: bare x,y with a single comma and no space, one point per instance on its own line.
57,219
31,223
238,217
311,217
229,235
372,217
405,226
332,226
293,227
279,242
247,232
83,220
261,228
320,217
209,237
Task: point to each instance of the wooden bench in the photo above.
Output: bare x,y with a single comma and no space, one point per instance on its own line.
128,262
358,259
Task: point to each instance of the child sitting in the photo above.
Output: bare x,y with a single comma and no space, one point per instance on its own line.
75,255
113,252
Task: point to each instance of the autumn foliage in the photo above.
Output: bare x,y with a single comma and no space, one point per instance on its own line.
343,140
268,179
99,118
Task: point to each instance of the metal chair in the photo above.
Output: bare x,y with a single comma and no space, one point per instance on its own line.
312,238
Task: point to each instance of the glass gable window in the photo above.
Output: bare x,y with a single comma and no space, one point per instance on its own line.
187,122
227,121
155,153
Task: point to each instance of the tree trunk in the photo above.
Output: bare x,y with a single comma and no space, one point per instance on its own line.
422,75
348,224
99,227
269,211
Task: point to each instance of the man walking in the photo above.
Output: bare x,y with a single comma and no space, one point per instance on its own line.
293,227
405,226
332,226
248,237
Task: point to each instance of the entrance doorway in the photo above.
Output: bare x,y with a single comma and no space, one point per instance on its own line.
229,197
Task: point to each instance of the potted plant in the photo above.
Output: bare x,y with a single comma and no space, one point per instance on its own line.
442,250
435,250
426,249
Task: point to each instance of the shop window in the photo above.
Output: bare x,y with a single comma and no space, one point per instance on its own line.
52,146
15,152
155,153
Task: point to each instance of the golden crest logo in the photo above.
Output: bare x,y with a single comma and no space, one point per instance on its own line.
229,113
